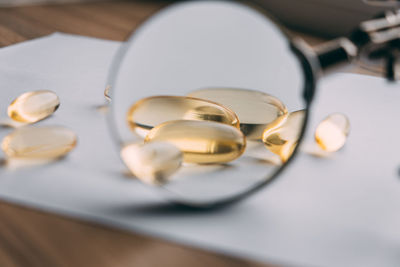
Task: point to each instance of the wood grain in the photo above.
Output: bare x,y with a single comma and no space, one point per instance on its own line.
33,238
108,20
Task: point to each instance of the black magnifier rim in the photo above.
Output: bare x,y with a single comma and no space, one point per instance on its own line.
307,61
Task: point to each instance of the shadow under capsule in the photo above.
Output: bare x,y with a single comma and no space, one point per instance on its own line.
11,124
13,164
314,150
166,209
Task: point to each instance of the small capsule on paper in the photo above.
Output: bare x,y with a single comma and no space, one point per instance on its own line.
332,132
48,142
107,93
203,142
33,106
152,111
254,109
153,163
282,136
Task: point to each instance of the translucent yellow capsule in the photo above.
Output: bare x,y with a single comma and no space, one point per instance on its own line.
332,132
254,109
39,142
201,141
153,163
282,135
33,106
152,111
107,93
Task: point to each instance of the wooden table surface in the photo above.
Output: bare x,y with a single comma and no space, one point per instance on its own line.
34,238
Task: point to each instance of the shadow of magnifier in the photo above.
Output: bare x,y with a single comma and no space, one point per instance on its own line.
236,56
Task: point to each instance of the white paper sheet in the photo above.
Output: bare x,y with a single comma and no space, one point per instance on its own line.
338,211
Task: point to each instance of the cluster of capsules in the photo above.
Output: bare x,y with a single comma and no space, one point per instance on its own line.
213,126
208,126
36,142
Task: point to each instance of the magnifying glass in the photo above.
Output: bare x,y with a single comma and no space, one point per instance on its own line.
228,86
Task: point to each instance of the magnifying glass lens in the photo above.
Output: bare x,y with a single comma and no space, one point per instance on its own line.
208,77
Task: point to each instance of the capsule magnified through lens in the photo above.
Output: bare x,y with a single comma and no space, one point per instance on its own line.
33,106
282,136
152,111
254,109
153,162
202,142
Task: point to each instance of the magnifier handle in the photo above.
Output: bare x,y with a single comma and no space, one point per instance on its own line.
336,54
376,39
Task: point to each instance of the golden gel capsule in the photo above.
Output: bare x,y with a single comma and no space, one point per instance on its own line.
152,111
332,132
152,163
33,106
46,142
254,109
282,135
201,141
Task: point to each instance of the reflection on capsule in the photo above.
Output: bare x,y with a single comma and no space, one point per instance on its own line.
202,142
152,111
47,142
255,109
153,163
282,135
33,106
332,132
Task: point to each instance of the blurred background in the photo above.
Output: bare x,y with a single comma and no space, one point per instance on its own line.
325,18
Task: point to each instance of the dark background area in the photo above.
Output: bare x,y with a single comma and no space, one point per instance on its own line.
325,18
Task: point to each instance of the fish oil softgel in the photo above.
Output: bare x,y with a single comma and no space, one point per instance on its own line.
282,135
152,111
254,109
152,163
33,106
332,132
202,142
48,142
